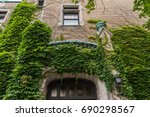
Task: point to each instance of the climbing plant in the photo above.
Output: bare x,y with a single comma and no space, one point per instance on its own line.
21,73
7,63
31,58
10,39
132,60
21,17
27,73
95,21
90,5
143,6
78,59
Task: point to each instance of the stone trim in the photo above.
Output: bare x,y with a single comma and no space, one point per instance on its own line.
81,23
6,16
50,74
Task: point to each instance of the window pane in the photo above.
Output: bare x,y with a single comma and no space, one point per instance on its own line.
71,92
1,19
80,91
62,92
88,91
54,92
71,22
2,15
71,16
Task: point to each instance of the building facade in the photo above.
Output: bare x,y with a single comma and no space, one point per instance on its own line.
74,22
68,19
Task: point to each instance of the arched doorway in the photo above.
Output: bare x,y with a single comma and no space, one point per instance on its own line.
71,89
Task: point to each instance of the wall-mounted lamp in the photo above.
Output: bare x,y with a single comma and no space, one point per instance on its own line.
40,3
118,82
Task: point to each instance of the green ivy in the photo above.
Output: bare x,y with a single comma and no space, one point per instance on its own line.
95,21
10,39
132,60
27,75
90,5
20,19
21,75
7,63
74,59
34,54
0,30
34,40
143,7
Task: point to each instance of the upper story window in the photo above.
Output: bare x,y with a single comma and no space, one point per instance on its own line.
71,88
71,19
40,3
2,15
10,1
71,15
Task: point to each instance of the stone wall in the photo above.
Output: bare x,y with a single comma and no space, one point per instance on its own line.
50,75
116,13
8,6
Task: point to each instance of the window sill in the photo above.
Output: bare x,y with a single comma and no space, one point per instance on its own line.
71,26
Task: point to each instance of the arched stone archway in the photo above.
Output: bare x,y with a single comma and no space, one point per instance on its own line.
71,89
50,75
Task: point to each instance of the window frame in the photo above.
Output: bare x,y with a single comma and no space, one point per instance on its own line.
6,15
70,9
40,3
77,19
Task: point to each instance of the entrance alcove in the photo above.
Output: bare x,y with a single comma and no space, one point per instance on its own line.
72,86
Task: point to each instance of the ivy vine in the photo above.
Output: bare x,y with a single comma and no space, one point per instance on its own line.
132,60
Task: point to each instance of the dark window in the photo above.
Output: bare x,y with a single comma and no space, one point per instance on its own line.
2,15
40,3
71,88
70,15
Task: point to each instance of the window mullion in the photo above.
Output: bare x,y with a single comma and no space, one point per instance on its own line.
70,15
67,91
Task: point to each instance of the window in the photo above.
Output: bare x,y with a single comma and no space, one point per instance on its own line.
71,88
2,16
71,15
71,19
40,3
10,1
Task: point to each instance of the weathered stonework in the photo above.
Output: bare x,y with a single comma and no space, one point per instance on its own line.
49,75
116,13
9,7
